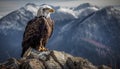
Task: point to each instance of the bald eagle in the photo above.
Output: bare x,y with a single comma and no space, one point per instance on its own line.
38,30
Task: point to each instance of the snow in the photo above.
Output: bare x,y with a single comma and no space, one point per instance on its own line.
61,14
66,27
33,9
65,13
86,11
68,11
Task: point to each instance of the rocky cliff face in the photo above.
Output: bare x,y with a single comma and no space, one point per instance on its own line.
49,60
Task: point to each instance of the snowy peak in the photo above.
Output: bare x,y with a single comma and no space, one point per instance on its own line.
64,14
32,8
84,5
110,12
17,19
30,4
110,9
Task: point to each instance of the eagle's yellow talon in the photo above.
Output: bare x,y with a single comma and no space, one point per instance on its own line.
42,48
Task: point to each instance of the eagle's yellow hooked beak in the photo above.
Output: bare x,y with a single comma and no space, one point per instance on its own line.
51,10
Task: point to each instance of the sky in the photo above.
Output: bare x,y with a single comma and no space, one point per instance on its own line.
7,6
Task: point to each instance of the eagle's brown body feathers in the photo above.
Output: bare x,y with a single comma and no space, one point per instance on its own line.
37,33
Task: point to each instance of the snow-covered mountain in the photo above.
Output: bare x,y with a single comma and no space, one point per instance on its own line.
17,19
85,30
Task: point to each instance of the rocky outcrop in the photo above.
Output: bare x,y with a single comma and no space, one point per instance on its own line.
49,60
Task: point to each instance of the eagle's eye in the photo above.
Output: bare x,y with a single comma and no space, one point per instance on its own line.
45,9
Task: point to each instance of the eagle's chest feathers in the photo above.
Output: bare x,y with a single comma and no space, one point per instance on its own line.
39,27
48,24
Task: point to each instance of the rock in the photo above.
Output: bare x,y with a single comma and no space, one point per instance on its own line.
11,63
33,59
32,53
32,64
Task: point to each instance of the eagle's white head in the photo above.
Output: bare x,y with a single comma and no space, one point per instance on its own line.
45,11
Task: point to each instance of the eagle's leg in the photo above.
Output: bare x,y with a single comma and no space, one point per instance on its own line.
42,46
